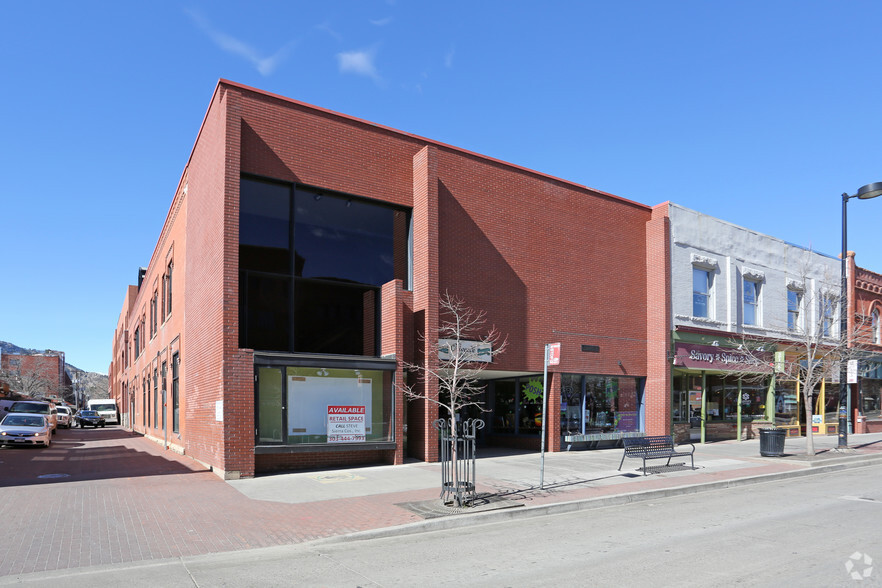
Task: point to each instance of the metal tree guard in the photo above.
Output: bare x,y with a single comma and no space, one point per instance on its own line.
458,460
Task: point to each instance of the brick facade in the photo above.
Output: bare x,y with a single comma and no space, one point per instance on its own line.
546,259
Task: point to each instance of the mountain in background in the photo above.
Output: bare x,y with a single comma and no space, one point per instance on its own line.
96,385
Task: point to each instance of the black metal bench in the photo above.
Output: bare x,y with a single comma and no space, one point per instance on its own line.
654,447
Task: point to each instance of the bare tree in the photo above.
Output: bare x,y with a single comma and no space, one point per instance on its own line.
463,348
28,381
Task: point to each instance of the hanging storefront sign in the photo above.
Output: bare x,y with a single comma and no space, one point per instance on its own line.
710,357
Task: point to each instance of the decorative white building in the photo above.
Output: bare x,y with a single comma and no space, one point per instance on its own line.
732,287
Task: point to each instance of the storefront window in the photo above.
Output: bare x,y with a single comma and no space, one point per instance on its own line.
600,404
831,403
787,410
504,406
530,409
269,406
871,391
753,399
686,398
319,405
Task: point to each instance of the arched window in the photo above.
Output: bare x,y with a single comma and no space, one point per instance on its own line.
877,336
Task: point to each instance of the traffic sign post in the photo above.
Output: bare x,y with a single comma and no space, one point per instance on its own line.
552,357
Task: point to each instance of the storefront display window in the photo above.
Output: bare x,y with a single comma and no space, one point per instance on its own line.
871,389
600,404
323,405
871,392
504,415
530,407
787,408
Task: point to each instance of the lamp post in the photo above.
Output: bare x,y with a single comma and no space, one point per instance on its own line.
864,193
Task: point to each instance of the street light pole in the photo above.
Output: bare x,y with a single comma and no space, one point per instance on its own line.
864,193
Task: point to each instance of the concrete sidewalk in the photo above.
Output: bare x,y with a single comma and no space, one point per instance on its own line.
96,500
508,480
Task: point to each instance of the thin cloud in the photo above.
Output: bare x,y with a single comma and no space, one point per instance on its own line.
359,63
381,22
264,65
448,57
326,28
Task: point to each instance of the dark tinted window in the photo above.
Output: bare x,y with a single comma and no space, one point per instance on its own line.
324,297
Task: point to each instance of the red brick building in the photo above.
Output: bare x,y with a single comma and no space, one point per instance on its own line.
39,375
864,312
303,255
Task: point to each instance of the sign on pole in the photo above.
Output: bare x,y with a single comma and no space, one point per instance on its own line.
554,354
552,357
852,371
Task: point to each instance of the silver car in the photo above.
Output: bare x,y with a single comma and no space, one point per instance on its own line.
25,429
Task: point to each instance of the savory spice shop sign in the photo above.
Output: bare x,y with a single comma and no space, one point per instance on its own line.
708,357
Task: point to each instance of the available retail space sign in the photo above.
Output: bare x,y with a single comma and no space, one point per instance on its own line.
709,357
346,424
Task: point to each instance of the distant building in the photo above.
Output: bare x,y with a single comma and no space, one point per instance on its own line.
39,375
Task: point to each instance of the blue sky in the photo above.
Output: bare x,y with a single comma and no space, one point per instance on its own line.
757,112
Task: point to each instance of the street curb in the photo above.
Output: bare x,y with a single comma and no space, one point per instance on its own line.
458,521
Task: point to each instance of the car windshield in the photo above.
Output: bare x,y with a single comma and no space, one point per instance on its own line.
108,406
88,413
30,407
63,410
22,420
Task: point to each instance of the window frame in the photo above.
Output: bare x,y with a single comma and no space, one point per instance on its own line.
751,285
708,283
176,368
795,325
875,326
828,321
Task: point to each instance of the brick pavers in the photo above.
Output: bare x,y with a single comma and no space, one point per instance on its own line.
125,499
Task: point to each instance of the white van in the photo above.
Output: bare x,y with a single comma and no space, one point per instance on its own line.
105,407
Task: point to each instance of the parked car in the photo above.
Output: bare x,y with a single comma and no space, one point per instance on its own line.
25,429
47,409
65,416
90,418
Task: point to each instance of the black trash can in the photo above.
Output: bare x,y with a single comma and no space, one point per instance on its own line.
772,442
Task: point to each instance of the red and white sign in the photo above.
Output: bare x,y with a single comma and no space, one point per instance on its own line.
346,424
553,353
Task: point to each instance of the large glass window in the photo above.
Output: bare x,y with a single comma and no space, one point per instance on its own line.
504,414
600,404
871,398
700,292
311,268
751,302
787,405
794,303
323,405
686,398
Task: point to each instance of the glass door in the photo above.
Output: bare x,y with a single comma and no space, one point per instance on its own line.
270,425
